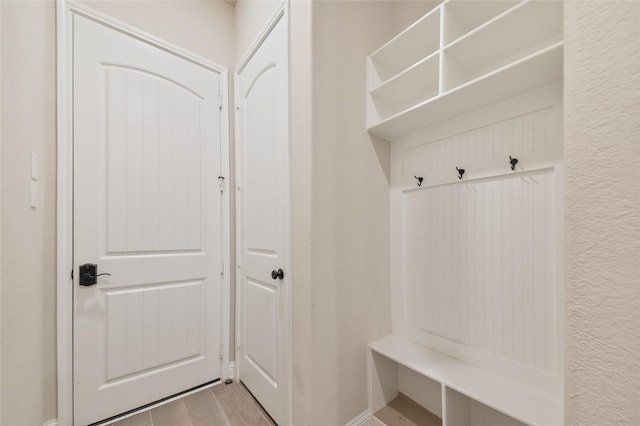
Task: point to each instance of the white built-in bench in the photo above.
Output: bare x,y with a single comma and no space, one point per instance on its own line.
457,392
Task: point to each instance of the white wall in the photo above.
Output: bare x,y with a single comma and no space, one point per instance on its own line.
349,207
300,154
602,153
202,27
28,236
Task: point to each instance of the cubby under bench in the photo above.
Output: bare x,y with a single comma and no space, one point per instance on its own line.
409,383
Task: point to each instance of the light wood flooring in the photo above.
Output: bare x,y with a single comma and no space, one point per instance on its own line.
220,405
403,411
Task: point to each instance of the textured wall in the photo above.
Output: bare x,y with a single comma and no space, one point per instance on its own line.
602,145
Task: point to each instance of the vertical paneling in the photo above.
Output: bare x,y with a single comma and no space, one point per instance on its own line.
134,339
193,332
116,335
135,162
180,170
551,331
165,325
262,186
194,192
260,327
179,323
117,158
152,340
151,165
155,164
479,264
148,327
483,148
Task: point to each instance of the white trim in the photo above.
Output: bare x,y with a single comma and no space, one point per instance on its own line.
52,422
64,226
362,419
225,299
261,38
0,209
282,13
65,9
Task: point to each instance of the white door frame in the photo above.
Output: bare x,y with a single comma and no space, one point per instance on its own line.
65,9
281,13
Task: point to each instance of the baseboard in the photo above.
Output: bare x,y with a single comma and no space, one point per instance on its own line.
52,422
363,419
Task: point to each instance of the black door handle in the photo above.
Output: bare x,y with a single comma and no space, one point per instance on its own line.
89,275
279,274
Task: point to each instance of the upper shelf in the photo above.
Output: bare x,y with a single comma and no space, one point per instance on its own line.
462,56
406,49
534,71
463,16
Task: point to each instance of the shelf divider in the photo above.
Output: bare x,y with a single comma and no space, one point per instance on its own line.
534,71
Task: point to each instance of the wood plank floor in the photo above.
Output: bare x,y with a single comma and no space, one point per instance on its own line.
403,411
220,405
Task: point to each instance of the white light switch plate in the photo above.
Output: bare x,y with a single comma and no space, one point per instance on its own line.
34,194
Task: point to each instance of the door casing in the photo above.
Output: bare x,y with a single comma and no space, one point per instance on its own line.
65,10
281,13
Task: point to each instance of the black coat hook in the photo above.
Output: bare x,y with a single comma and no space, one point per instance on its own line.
420,179
513,162
460,173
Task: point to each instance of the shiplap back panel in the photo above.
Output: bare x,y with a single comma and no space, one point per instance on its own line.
154,149
480,265
477,269
528,128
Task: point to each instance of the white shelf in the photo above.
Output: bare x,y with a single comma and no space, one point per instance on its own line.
514,400
406,49
491,50
520,31
463,16
534,71
411,87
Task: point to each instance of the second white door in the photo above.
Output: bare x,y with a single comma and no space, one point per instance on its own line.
262,221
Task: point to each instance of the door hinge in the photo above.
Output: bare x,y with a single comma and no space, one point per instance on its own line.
222,267
221,351
221,183
220,102
72,275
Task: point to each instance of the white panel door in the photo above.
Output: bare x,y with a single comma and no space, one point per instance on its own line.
263,203
147,210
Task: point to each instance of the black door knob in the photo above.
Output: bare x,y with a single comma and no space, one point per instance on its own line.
89,274
279,274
